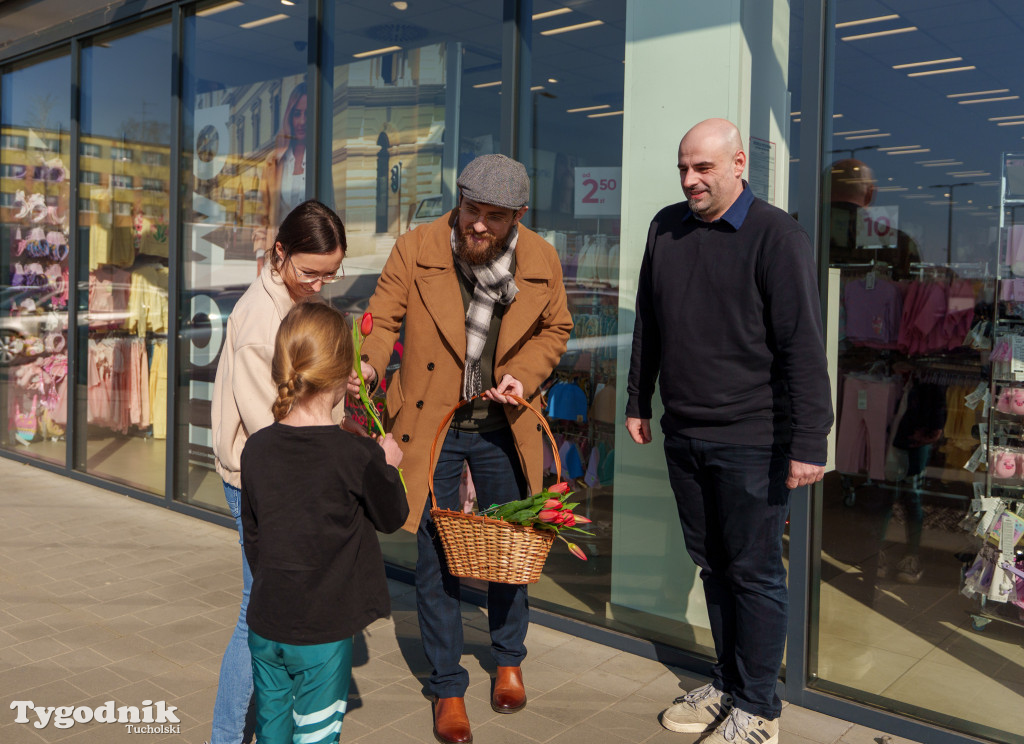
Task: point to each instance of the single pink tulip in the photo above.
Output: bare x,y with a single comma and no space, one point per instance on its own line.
577,551
561,487
552,504
366,324
566,518
582,520
548,515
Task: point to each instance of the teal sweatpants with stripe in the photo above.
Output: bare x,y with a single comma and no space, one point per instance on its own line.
301,691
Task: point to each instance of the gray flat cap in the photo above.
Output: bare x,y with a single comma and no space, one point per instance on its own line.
497,180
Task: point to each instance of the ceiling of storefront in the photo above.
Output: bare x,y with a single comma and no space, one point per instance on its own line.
25,24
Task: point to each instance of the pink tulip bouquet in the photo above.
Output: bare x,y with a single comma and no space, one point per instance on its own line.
547,510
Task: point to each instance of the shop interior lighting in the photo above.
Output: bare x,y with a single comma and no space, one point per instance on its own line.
400,5
587,108
908,152
605,113
837,116
890,32
929,62
487,85
869,136
938,163
537,87
977,93
574,27
990,100
375,52
551,13
219,8
862,21
855,131
1009,123
287,2
964,174
1006,118
898,147
943,71
794,113
264,21
892,188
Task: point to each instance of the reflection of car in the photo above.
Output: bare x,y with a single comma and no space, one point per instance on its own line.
22,316
427,210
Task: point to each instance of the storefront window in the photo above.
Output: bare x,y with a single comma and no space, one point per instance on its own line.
414,98
919,608
572,123
123,309
36,254
239,181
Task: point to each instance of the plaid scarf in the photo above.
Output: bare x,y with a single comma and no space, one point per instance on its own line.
492,282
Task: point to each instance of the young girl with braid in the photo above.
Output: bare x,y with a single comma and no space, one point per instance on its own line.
313,495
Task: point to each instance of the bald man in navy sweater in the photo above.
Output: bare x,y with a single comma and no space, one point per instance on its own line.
728,320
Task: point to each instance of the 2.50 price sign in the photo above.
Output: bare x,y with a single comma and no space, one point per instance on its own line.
597,192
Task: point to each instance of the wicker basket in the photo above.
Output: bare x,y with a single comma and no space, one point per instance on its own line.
490,549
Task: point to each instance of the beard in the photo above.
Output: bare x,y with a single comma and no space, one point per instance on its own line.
480,254
700,207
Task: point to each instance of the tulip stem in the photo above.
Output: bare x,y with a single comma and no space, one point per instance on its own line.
364,396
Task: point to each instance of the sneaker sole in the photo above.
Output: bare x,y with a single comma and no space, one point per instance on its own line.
688,728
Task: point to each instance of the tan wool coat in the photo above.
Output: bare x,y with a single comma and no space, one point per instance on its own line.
419,286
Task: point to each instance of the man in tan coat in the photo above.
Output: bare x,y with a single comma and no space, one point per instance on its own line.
485,314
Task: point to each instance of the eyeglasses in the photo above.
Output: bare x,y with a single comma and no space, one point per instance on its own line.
496,220
306,277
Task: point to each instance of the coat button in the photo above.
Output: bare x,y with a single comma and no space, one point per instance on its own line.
405,437
538,427
430,366
419,404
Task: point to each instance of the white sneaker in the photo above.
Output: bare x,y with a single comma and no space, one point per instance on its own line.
741,727
697,711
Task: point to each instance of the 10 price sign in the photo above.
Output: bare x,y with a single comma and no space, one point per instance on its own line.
597,192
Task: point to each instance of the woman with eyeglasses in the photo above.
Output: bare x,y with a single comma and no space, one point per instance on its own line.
306,254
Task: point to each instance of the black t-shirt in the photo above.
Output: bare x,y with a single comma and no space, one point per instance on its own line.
312,497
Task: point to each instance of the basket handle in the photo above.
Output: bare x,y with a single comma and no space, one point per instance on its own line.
460,404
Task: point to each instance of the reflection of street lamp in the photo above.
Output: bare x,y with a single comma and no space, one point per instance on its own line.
949,222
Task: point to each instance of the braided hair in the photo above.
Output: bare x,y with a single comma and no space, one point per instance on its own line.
312,353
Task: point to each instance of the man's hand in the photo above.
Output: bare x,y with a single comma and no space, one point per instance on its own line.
369,374
803,474
509,385
639,429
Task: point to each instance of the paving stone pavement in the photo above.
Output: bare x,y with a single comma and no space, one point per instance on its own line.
104,597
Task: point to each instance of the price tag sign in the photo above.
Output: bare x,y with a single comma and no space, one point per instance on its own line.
1017,362
597,192
877,227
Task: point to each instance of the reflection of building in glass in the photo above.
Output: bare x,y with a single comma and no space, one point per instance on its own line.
387,142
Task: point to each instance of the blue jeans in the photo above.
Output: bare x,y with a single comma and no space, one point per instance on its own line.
498,478
733,503
234,689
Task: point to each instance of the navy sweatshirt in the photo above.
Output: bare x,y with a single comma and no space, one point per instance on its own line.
728,321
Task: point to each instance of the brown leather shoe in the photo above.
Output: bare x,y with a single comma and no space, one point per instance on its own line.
451,724
509,694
